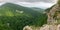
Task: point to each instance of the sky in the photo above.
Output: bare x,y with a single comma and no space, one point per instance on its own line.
32,3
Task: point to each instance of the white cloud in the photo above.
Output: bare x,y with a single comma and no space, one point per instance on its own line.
40,4
2,3
50,1
36,4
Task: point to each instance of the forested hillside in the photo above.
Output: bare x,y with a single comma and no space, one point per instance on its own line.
40,10
15,17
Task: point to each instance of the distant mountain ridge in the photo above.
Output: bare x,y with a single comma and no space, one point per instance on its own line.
11,8
38,9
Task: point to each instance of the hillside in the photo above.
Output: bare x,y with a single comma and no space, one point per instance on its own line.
13,8
15,17
40,10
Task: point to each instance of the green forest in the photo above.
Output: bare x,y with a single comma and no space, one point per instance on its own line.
15,17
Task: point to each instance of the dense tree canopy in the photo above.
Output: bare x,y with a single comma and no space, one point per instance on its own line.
10,19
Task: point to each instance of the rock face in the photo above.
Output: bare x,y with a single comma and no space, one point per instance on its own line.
50,27
53,18
58,27
51,14
31,28
44,27
27,28
54,14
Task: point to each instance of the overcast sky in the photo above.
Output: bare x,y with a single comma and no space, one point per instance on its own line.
49,1
31,3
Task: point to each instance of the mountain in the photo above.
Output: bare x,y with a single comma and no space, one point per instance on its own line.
11,9
40,10
16,17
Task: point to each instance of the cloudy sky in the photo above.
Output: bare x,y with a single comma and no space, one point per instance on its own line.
32,3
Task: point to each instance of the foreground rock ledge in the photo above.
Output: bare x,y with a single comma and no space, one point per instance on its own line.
44,27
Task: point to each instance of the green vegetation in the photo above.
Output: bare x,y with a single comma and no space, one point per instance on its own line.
15,17
58,2
40,10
